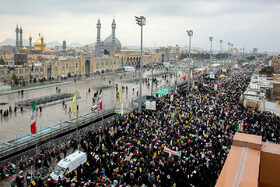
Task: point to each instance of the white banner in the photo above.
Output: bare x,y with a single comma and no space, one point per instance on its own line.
151,103
177,153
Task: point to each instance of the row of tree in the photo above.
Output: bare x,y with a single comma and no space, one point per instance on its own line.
202,56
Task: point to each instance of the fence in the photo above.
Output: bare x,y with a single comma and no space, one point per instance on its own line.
54,142
47,99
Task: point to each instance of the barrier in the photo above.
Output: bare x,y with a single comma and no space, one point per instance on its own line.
11,151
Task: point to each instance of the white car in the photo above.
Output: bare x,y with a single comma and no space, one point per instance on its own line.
94,108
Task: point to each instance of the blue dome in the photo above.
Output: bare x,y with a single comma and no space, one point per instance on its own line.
108,42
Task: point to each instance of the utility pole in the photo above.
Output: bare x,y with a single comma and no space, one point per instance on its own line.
190,33
211,52
141,21
221,42
152,79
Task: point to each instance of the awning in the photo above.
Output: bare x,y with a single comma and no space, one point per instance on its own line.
136,100
161,92
252,104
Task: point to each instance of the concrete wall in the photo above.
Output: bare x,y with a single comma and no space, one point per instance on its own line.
270,165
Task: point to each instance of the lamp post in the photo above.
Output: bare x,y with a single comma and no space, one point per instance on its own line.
141,21
211,40
221,42
231,54
228,48
190,33
152,79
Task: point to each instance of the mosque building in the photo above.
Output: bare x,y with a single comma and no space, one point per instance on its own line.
39,45
110,46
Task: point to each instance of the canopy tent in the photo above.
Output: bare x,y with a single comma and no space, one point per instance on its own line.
161,93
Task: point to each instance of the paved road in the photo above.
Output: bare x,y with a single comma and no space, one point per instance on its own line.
17,124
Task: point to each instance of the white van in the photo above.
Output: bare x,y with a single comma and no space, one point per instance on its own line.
68,164
94,108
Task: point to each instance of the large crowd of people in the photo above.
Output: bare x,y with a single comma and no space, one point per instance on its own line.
199,124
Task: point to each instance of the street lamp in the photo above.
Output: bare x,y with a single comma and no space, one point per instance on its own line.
190,33
228,48
231,53
141,21
211,40
221,42
152,79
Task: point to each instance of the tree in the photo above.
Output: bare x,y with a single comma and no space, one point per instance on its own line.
102,71
69,75
268,70
44,79
250,58
2,62
34,80
15,78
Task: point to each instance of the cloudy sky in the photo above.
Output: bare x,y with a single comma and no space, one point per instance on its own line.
245,23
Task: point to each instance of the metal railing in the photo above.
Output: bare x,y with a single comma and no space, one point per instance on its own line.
54,142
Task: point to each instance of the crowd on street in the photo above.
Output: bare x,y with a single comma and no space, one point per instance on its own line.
198,124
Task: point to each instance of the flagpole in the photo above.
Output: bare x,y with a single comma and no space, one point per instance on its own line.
77,115
103,116
36,133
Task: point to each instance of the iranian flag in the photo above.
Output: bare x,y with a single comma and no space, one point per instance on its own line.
137,88
100,98
33,120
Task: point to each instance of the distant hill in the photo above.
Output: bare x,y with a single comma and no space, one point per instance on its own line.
12,42
75,45
53,44
8,41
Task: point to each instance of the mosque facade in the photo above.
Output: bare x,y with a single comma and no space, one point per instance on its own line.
110,46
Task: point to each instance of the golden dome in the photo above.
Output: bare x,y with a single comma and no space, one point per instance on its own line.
24,49
37,45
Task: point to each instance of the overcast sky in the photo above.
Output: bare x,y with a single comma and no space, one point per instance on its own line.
245,23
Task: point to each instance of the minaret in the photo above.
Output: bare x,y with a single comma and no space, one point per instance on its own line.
64,52
42,43
98,26
113,32
30,42
20,37
17,31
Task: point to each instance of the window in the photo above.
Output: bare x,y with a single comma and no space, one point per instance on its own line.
76,65
8,73
2,74
66,65
26,72
106,63
21,72
102,63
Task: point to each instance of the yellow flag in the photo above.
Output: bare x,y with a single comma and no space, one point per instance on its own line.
74,105
191,74
33,182
120,93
